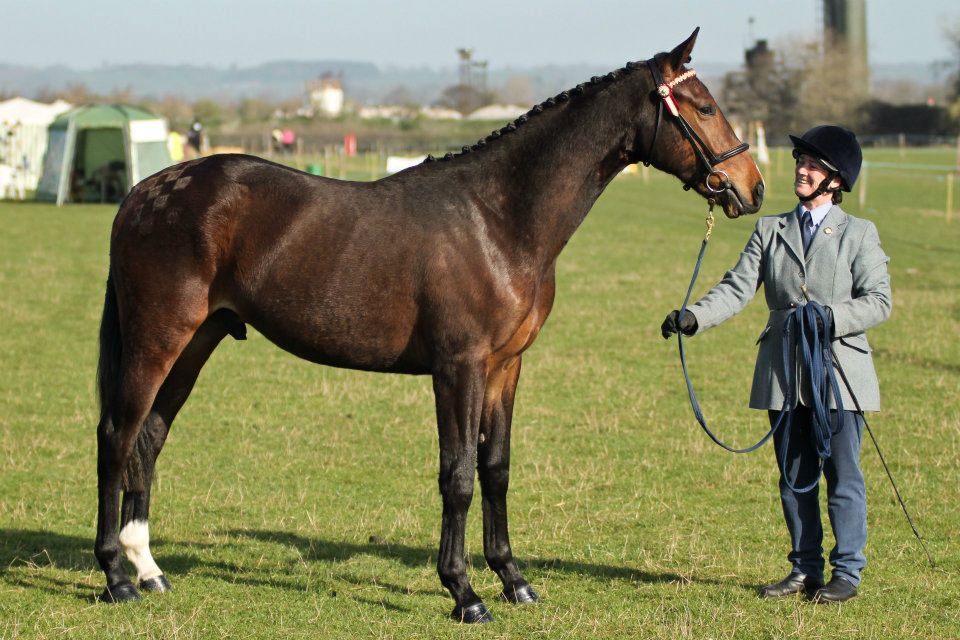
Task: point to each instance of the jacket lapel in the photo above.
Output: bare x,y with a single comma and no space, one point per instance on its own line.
790,233
829,231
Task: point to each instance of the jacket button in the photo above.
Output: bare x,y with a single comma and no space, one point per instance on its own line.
793,305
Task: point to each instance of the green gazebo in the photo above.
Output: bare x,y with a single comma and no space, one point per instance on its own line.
97,153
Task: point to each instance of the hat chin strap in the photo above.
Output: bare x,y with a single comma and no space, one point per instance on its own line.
823,188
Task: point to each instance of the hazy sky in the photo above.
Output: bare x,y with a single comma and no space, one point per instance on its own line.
408,33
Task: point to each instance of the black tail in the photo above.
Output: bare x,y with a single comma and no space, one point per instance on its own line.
108,368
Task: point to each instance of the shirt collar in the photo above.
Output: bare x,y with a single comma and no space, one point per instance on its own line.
817,214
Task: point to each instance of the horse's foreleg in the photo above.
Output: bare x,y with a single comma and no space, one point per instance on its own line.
135,511
459,395
493,464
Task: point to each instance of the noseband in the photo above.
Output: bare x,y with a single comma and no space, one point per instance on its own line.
706,157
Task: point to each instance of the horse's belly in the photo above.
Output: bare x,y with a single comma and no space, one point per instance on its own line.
373,339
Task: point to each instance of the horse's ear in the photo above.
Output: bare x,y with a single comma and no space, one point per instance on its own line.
681,53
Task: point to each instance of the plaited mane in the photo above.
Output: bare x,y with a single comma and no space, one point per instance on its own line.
549,103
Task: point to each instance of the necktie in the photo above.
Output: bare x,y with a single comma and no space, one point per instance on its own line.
806,230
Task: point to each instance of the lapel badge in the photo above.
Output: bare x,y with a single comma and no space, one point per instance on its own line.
828,231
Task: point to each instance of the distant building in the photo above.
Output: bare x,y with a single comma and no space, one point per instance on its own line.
325,95
385,112
760,57
845,30
498,112
440,113
398,113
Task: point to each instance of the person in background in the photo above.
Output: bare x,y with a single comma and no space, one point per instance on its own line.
175,146
820,253
195,138
289,140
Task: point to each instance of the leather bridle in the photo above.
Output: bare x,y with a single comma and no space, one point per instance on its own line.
664,92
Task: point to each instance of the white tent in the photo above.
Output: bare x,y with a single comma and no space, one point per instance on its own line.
498,112
23,141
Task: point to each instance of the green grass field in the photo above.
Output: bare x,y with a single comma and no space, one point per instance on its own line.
299,501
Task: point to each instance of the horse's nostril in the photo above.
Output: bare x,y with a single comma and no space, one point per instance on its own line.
758,192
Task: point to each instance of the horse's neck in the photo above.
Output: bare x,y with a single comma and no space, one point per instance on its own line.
548,176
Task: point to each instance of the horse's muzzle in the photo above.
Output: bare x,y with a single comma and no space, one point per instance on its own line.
734,205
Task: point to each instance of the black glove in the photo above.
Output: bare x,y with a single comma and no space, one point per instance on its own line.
687,323
828,333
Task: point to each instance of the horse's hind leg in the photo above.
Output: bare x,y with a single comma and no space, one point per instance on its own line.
493,465
135,511
117,437
147,357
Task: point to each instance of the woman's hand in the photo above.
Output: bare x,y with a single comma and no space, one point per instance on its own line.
686,323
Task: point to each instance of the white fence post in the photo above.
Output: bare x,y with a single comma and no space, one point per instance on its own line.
950,177
862,194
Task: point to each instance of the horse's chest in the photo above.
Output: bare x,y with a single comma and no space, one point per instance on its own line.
529,328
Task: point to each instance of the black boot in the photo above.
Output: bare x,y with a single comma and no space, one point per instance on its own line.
791,585
837,590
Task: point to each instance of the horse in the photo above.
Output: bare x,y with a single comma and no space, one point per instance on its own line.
445,269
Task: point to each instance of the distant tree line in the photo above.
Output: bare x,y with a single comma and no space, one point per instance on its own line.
953,36
804,84
214,113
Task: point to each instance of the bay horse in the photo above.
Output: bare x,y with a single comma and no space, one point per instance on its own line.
445,269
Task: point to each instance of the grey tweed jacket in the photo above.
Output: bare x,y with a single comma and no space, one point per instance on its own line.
845,269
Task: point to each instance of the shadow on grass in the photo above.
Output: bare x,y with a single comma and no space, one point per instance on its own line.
418,557
32,548
29,558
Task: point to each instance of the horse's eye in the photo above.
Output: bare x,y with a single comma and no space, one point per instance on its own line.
708,110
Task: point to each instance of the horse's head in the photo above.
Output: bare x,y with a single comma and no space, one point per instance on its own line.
686,134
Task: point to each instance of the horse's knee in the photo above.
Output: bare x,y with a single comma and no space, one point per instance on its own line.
457,489
495,476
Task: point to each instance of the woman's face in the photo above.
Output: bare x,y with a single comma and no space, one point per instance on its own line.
808,175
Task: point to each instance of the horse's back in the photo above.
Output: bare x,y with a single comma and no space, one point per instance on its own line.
192,212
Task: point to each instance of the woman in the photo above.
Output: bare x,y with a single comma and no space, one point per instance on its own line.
818,253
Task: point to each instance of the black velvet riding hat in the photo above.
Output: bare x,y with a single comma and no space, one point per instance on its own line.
836,147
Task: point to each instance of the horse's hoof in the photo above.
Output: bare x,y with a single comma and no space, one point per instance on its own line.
520,594
474,614
125,592
160,584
